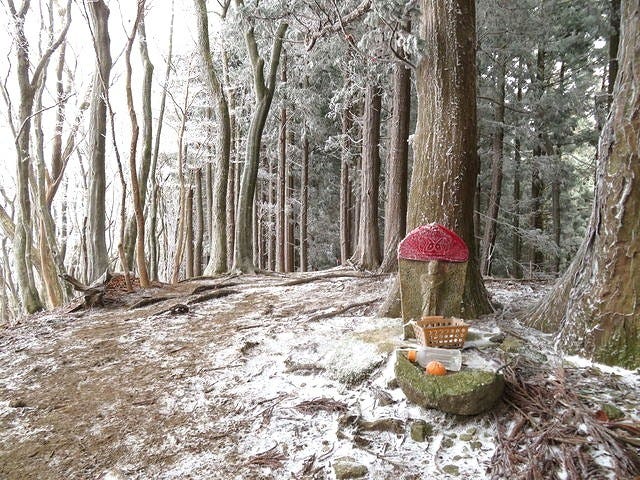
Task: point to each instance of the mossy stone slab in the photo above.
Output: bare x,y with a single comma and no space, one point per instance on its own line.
468,392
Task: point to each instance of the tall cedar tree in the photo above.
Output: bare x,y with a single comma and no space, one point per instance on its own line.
594,306
446,163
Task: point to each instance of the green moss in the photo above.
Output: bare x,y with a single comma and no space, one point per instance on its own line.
467,392
622,349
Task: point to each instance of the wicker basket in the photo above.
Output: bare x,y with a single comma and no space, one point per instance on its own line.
438,331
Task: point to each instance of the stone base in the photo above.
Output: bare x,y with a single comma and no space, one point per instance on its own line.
468,392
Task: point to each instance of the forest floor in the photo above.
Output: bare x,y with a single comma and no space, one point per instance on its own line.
264,377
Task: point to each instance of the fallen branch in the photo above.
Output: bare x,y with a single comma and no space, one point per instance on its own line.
339,311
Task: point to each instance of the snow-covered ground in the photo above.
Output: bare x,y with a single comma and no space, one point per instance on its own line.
264,383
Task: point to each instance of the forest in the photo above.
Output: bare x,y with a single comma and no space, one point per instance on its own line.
245,142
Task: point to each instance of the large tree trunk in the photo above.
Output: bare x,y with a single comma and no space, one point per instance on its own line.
446,163
218,241
264,88
367,253
493,208
98,259
593,307
395,224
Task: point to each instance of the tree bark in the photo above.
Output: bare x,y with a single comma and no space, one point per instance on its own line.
495,194
28,81
345,188
98,260
395,222
593,308
304,200
199,223
218,241
263,89
281,198
446,163
536,219
147,138
154,252
289,219
188,239
367,253
516,239
136,190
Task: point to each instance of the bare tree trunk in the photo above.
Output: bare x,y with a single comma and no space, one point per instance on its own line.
517,199
147,138
218,242
28,81
136,191
153,244
446,164
181,231
345,188
264,89
271,250
304,200
537,184
367,253
395,224
289,220
281,198
593,308
96,226
188,212
495,194
199,224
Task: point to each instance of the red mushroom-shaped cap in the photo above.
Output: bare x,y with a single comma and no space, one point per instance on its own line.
433,242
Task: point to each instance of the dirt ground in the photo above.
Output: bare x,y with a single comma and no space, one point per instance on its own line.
220,391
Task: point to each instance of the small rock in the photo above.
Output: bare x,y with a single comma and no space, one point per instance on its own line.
17,403
393,425
613,412
475,445
392,384
384,398
465,437
472,431
498,338
447,442
451,470
347,467
420,430
511,344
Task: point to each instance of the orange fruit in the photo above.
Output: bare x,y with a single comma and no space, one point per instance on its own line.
435,368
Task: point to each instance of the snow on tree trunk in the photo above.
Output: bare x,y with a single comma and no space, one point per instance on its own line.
594,307
446,164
